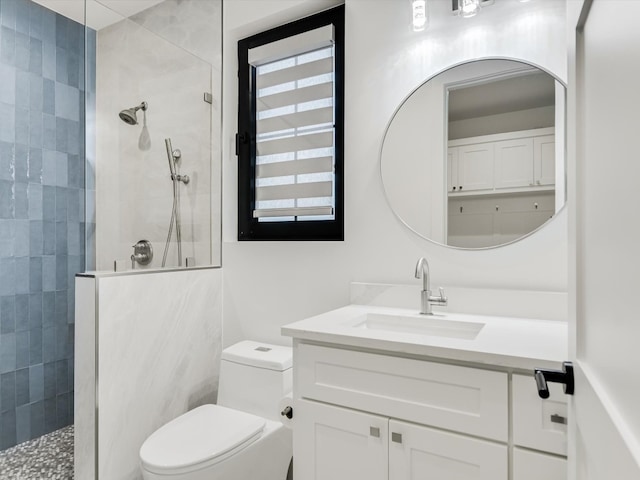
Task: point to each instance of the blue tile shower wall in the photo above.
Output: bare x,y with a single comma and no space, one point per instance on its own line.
41,215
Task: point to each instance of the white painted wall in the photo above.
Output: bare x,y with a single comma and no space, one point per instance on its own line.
268,284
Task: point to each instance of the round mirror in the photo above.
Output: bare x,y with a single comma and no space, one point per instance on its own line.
475,156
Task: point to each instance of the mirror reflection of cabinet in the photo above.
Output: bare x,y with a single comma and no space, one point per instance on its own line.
471,167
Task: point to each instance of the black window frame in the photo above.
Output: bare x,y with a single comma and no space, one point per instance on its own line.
250,228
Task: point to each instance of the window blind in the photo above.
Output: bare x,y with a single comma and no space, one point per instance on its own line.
294,89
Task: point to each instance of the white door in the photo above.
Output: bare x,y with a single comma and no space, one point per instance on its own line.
514,163
544,160
334,443
475,167
605,437
417,453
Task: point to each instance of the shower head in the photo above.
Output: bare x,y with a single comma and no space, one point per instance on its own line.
129,116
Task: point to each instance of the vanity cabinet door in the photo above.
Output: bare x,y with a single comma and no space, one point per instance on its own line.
529,465
544,160
537,423
514,163
452,169
475,167
333,443
418,453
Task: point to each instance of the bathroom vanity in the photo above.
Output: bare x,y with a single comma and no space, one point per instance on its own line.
385,393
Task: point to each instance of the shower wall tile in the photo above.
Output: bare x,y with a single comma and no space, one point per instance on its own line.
41,190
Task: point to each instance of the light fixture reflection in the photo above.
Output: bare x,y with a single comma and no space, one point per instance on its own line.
419,11
468,8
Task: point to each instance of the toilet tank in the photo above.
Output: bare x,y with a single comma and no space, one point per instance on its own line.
254,376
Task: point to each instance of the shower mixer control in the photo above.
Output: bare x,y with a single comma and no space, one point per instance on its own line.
142,253
181,178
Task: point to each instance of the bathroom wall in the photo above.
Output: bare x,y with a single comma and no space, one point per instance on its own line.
41,216
169,56
149,349
385,60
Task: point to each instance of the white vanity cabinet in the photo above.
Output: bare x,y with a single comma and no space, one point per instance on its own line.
376,416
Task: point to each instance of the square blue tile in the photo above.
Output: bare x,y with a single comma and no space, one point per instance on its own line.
49,379
21,201
61,135
21,163
49,273
36,382
50,415
8,14
21,124
35,313
61,307
22,349
49,237
67,102
36,128
61,272
8,314
22,386
74,136
62,377
22,16
22,238
61,31
6,161
35,166
8,82
36,239
23,423
48,307
62,170
48,26
8,130
49,96
22,312
7,46
49,64
35,56
61,203
22,89
48,202
35,274
7,201
49,134
7,391
22,51
37,419
49,345
21,275
61,65
63,410
7,352
35,346
7,238
62,342
36,29
34,194
61,239
7,276
73,69
8,438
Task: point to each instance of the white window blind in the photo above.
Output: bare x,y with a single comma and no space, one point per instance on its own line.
295,127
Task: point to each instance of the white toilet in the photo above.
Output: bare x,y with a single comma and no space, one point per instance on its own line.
240,438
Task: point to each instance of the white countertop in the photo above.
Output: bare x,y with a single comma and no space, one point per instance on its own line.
503,341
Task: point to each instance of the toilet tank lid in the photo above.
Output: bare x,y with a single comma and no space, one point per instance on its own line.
259,354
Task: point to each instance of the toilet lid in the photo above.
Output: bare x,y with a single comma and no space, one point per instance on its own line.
199,438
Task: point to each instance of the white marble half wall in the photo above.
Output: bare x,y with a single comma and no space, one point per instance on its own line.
158,355
543,305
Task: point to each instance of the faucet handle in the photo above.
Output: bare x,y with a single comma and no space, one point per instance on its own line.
442,300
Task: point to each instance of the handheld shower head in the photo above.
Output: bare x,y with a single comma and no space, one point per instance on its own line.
129,116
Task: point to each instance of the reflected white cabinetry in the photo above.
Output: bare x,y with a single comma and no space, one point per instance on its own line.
517,160
363,415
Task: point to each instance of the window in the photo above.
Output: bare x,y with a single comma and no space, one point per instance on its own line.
290,131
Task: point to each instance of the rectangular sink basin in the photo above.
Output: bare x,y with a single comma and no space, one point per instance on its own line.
430,325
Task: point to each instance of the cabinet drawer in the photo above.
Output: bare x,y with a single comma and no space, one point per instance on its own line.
417,452
536,466
538,423
456,398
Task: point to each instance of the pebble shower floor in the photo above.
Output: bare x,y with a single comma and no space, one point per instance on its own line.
47,457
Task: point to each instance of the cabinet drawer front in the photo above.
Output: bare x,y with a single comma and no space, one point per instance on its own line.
456,398
419,453
538,423
536,466
332,443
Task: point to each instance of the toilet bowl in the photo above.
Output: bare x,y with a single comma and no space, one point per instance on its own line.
240,438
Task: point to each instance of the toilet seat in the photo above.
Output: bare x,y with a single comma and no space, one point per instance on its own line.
198,439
